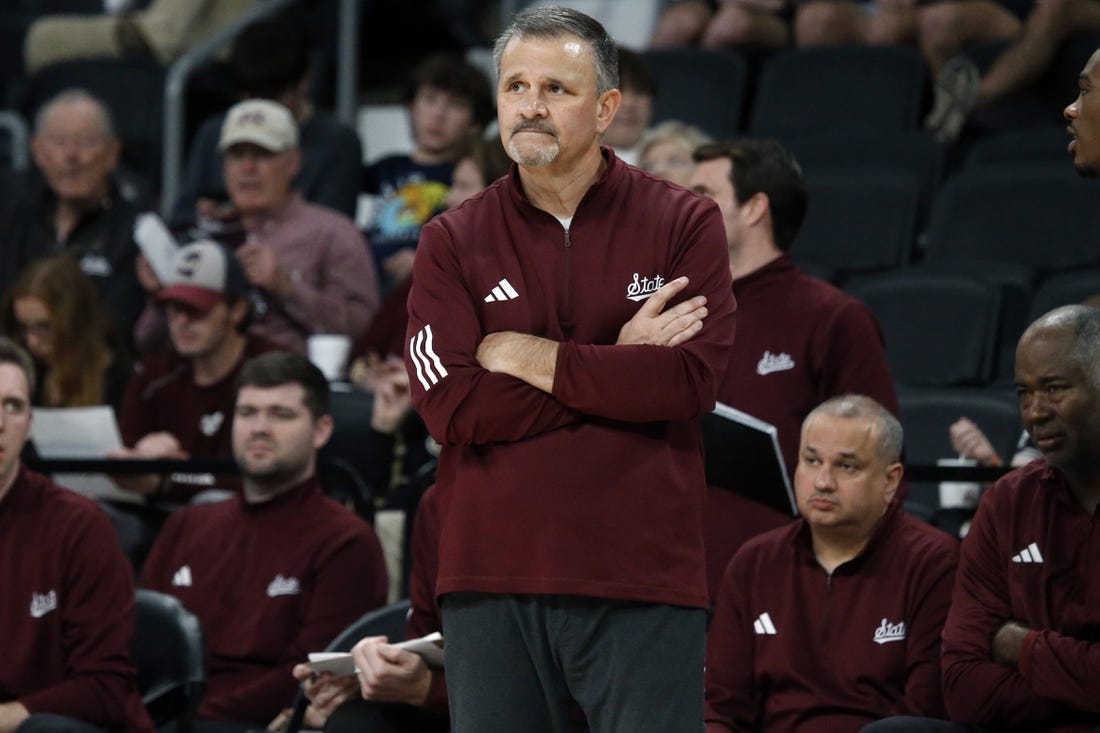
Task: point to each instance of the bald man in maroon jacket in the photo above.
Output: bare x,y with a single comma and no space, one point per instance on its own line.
67,594
800,340
834,621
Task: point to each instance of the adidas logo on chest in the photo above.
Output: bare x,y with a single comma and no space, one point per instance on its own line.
501,292
763,625
1030,555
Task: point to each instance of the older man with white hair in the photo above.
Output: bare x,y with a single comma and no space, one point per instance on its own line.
71,204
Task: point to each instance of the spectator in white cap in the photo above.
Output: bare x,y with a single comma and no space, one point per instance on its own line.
310,266
310,263
179,402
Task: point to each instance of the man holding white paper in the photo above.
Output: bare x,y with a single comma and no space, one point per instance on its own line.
310,268
392,689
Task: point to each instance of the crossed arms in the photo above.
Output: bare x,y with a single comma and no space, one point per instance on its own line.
533,359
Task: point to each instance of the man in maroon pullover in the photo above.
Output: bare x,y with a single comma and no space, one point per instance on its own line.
278,571
1020,647
571,484
834,621
67,597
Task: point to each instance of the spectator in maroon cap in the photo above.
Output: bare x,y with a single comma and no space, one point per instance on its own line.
179,402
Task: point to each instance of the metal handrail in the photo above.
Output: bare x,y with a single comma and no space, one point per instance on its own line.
17,129
347,90
347,60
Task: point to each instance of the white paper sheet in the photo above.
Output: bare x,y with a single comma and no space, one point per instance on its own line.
156,243
80,432
340,664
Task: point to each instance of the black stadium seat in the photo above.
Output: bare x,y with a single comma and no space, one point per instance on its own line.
803,91
170,658
700,87
858,221
1040,216
940,330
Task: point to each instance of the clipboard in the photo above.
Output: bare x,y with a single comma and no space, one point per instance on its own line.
743,456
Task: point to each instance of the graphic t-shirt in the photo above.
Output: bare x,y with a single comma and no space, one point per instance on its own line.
407,195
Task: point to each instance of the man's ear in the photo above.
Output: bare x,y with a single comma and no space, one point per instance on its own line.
322,431
894,473
606,107
38,150
756,208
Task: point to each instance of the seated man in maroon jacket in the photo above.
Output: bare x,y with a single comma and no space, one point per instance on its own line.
67,598
834,621
1020,646
277,572
799,341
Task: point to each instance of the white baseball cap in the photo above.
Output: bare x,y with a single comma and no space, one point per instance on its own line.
262,122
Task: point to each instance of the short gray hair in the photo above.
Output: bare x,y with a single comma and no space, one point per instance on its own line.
554,22
72,96
1083,322
855,407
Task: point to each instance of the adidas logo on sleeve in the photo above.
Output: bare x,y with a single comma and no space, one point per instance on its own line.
1029,554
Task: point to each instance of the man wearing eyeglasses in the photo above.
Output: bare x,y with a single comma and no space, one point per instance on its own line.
179,402
72,204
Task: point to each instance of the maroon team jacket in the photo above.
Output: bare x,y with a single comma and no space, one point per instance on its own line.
793,648
596,489
1032,555
66,608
